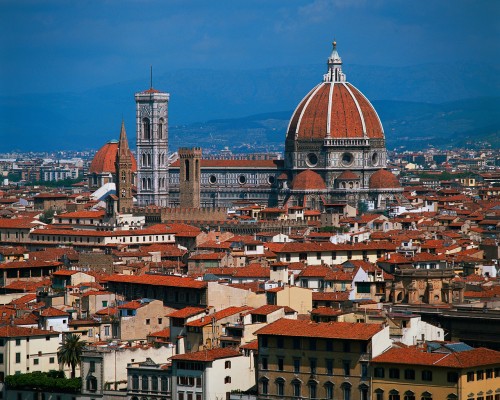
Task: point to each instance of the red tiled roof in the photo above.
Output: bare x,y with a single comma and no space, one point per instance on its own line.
17,331
186,312
347,175
332,330
268,309
155,280
104,160
227,312
83,214
207,355
164,334
53,312
463,359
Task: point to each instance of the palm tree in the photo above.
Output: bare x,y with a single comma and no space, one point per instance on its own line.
70,352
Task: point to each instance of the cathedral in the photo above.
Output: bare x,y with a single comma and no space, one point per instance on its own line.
334,153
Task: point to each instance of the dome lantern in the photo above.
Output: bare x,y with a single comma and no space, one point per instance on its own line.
334,63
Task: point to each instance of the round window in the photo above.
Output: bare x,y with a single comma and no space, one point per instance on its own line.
374,158
242,179
312,159
271,179
347,159
212,179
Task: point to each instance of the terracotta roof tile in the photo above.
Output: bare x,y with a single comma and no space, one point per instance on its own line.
207,355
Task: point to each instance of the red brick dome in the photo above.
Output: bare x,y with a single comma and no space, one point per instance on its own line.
104,159
334,109
308,180
383,179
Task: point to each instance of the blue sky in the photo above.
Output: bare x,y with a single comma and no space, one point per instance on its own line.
74,45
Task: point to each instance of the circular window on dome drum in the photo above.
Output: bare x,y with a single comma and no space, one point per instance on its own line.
212,179
374,158
242,179
312,160
271,179
347,159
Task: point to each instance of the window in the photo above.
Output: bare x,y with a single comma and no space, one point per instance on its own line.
379,394
347,368
91,383
135,382
148,321
296,343
426,396
280,342
489,373
1,358
18,358
91,366
312,344
470,376
346,391
263,341
329,391
378,372
394,395
36,361
280,387
394,373
264,384
312,365
164,384
364,370
227,379
426,375
479,375
296,388
452,376
145,383
280,364
346,346
329,345
296,365
409,395
264,363
313,390
410,374
227,365
160,320
154,383
329,367
18,342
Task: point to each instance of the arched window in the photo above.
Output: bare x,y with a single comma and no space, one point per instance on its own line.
452,396
363,392
426,396
280,387
143,159
149,183
227,365
145,382
146,129
154,383
91,383
313,389
379,394
297,388
329,390
148,160
346,391
409,395
164,384
160,128
196,170
394,395
264,385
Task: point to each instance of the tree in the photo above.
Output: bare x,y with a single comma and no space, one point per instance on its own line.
70,352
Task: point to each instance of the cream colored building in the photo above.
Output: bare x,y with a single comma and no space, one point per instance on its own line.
25,350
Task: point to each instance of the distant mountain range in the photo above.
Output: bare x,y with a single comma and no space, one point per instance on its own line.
418,105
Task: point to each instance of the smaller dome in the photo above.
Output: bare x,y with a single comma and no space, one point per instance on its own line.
308,180
347,175
383,179
104,159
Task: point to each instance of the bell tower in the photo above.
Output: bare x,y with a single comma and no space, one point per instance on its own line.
152,147
123,166
189,179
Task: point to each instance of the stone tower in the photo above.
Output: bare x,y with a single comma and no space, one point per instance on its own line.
124,173
189,179
152,147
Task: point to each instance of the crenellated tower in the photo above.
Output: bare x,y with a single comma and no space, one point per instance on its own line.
152,147
189,179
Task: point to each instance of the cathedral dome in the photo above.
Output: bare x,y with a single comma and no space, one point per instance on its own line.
104,159
334,109
383,179
308,180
